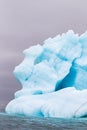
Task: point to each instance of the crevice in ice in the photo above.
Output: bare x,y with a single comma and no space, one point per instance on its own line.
45,55
68,80
62,57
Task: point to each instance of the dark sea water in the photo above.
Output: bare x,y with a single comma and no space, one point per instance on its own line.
8,122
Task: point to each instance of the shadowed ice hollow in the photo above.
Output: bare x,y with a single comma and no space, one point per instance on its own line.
53,78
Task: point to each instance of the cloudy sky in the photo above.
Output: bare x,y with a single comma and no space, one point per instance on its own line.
27,22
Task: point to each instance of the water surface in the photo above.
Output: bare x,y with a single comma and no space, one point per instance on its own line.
8,122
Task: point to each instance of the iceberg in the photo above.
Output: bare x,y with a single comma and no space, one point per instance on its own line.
53,78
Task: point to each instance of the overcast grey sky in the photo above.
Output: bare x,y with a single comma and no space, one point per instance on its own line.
27,22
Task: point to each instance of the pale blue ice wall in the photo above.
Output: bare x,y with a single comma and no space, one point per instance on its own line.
60,62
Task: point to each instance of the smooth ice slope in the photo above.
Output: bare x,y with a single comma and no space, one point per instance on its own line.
60,63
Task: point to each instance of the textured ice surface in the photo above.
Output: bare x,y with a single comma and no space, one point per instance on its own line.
48,74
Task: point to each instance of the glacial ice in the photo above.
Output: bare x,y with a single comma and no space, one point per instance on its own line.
53,78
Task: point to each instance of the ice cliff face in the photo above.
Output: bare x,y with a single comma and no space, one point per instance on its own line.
48,74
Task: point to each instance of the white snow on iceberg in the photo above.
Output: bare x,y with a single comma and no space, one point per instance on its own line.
48,74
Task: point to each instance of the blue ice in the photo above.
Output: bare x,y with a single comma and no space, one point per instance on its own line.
53,78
